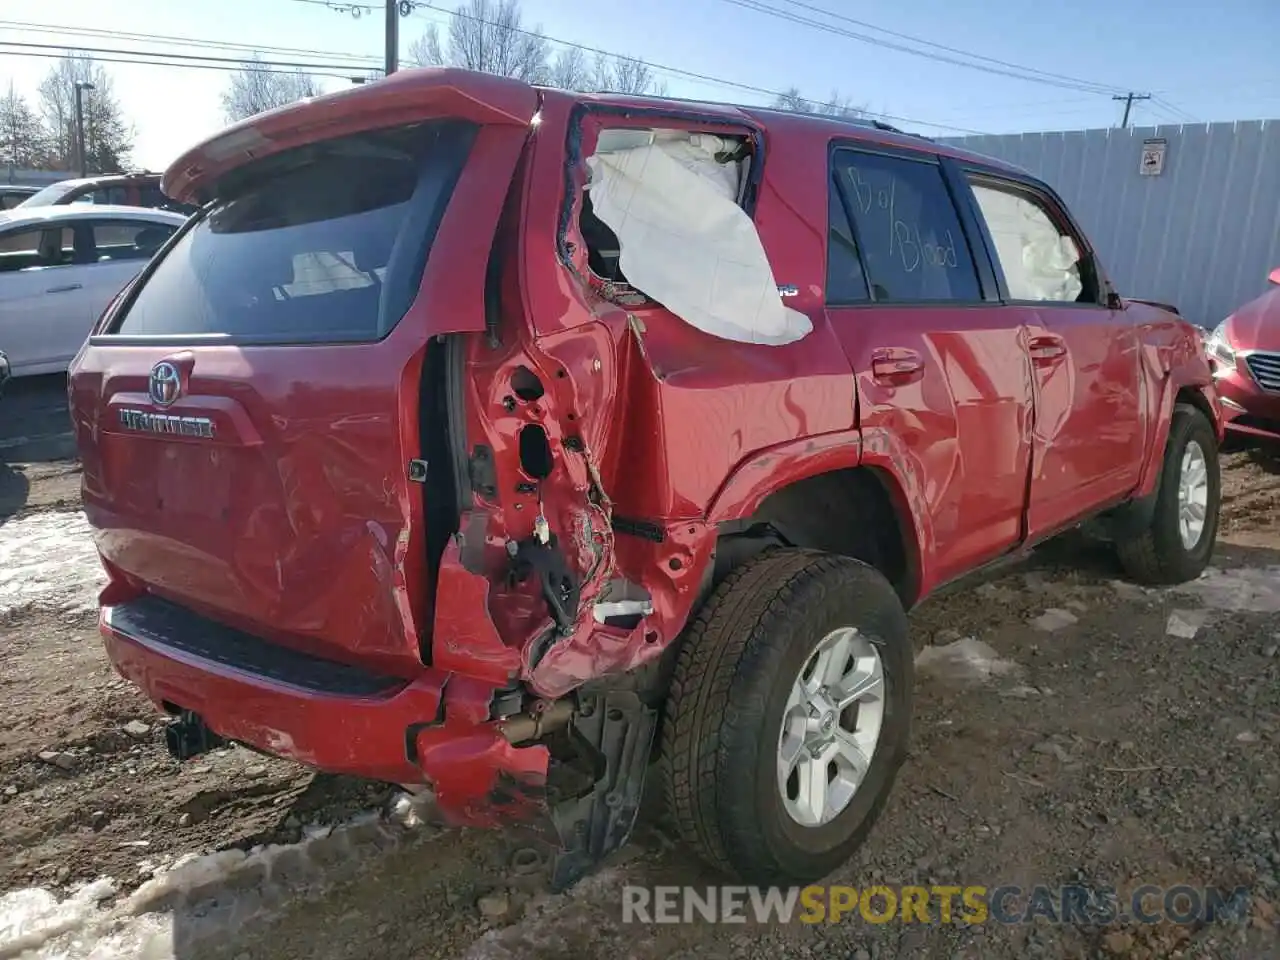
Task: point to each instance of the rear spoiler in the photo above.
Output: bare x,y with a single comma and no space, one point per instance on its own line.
407,96
1156,303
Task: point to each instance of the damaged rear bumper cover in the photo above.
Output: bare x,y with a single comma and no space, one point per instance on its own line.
331,716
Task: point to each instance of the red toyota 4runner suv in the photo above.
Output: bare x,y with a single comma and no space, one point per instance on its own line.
497,438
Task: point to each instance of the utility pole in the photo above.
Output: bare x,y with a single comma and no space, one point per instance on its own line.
393,37
80,88
1128,99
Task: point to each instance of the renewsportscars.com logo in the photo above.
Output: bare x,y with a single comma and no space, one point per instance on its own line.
1009,904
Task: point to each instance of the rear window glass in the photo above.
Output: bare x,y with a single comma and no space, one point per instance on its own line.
326,243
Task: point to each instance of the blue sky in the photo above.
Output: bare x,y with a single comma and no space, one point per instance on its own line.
1203,60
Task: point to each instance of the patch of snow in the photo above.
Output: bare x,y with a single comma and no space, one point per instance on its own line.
542,930
1185,624
36,925
1053,619
1130,591
966,660
48,560
1246,590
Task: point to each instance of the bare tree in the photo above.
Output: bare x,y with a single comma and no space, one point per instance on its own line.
108,137
570,71
488,36
23,140
838,106
625,75
255,89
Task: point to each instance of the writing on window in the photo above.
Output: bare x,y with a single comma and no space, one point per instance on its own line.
909,233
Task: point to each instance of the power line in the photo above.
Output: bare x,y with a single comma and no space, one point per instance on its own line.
420,5
759,7
185,41
664,68
994,65
1182,116
264,66
22,26
241,62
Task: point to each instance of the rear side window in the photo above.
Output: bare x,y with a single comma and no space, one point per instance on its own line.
906,229
325,243
127,239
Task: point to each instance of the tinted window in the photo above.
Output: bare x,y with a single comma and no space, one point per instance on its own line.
845,279
323,243
907,228
128,239
116,196
49,195
37,247
1040,261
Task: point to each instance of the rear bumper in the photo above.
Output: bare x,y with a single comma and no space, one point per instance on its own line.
330,717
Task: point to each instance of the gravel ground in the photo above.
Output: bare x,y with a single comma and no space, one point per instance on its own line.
1071,728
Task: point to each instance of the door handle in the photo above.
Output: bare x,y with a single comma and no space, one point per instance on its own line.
67,288
896,365
1046,349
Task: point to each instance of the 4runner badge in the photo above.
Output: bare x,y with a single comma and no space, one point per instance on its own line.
166,424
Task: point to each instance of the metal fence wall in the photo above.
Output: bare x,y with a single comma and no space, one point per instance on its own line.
1202,234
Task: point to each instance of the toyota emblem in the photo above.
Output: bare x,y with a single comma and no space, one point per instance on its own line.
166,383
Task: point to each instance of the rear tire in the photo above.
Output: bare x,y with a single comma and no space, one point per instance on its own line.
1161,554
757,641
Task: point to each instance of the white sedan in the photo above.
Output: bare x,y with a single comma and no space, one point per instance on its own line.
59,268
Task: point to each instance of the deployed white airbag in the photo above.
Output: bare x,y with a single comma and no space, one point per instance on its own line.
1039,262
684,240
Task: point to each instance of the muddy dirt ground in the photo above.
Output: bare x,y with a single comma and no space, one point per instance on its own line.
1086,737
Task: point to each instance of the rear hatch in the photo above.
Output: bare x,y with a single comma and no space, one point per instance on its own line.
249,409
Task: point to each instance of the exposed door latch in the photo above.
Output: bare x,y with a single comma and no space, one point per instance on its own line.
418,471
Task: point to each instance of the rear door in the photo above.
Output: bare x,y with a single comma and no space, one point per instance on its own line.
249,412
941,366
1089,428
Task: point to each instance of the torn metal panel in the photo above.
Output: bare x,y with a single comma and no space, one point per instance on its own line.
685,242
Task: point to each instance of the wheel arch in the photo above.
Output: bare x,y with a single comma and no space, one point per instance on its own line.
818,493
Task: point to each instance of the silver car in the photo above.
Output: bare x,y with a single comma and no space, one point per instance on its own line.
59,268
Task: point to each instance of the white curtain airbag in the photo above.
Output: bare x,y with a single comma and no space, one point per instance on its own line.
1039,262
686,243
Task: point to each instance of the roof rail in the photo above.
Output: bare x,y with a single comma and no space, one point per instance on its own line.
868,122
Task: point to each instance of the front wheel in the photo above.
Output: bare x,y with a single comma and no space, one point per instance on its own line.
1178,543
789,716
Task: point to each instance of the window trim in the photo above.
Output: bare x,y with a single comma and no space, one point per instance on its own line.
1057,211
42,230
575,161
836,189
988,292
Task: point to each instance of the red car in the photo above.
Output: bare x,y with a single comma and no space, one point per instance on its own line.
1244,351
495,438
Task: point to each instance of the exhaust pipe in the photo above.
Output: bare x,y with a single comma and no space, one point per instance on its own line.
544,718
188,737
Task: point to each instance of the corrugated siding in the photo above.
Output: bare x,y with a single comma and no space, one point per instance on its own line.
1203,234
